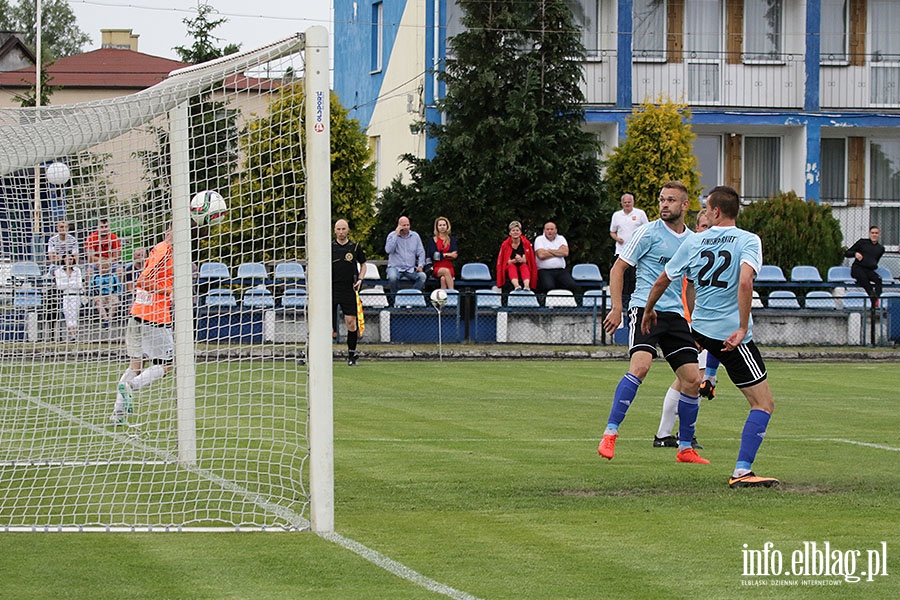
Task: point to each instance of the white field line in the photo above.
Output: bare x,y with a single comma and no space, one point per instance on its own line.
297,521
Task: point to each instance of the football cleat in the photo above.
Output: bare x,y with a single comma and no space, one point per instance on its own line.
752,480
707,389
351,361
689,455
607,447
669,441
118,418
695,444
127,397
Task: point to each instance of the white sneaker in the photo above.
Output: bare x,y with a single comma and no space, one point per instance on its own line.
118,418
126,396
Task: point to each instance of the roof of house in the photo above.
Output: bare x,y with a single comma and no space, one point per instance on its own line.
11,42
104,68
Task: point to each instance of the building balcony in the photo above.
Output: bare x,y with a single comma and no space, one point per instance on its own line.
873,85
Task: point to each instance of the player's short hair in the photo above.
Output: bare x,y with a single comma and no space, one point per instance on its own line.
677,185
726,199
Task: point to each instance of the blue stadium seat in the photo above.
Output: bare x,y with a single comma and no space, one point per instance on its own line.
855,299
289,271
770,274
886,276
522,299
24,271
220,297
213,271
592,298
805,273
452,298
487,299
475,271
840,275
252,273
820,300
890,299
27,298
587,272
258,298
409,299
783,299
294,298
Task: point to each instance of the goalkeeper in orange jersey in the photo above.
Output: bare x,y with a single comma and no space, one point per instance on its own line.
148,336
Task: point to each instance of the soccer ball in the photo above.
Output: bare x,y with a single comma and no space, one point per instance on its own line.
438,298
208,208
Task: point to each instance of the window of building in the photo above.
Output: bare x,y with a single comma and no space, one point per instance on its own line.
585,16
884,15
884,189
762,167
833,170
377,36
762,30
649,25
703,42
834,31
708,150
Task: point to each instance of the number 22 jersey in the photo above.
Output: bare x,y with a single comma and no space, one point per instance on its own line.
712,260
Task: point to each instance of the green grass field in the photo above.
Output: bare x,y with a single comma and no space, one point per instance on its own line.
484,477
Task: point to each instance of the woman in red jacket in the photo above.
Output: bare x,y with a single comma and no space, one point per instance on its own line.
516,260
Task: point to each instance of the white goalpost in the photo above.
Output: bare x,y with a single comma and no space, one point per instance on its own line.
228,426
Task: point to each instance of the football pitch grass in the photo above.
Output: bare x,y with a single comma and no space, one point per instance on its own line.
484,477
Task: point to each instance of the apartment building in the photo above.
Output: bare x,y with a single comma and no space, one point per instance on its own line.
785,94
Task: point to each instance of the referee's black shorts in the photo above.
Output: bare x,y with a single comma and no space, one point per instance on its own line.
744,364
672,334
345,297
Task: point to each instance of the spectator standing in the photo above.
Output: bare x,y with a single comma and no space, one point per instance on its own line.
102,245
61,245
149,331
106,289
722,262
442,251
866,253
70,285
623,225
406,256
348,268
551,250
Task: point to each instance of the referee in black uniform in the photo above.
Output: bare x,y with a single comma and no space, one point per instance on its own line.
348,267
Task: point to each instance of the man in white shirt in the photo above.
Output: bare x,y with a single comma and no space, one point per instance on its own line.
551,250
623,225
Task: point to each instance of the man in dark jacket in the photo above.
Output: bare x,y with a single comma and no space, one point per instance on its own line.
866,253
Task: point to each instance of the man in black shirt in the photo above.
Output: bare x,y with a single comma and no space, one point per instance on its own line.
348,267
866,253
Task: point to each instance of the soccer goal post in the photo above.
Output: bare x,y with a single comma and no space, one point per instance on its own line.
163,368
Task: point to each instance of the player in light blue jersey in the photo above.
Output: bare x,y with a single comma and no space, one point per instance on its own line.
722,262
648,251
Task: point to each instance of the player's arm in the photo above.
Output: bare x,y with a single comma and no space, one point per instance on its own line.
659,287
616,283
745,300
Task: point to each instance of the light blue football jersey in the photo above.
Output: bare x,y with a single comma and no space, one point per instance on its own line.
712,259
648,251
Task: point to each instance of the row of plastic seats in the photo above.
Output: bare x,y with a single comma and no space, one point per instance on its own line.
810,274
255,298
528,299
252,272
478,271
853,299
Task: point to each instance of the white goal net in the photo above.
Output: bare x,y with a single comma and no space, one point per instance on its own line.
155,368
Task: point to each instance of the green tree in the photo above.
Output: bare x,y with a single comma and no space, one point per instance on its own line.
512,144
274,157
794,232
27,98
200,29
657,148
60,35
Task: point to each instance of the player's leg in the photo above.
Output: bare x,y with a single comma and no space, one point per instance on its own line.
664,437
158,347
124,403
623,397
709,379
348,307
680,351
